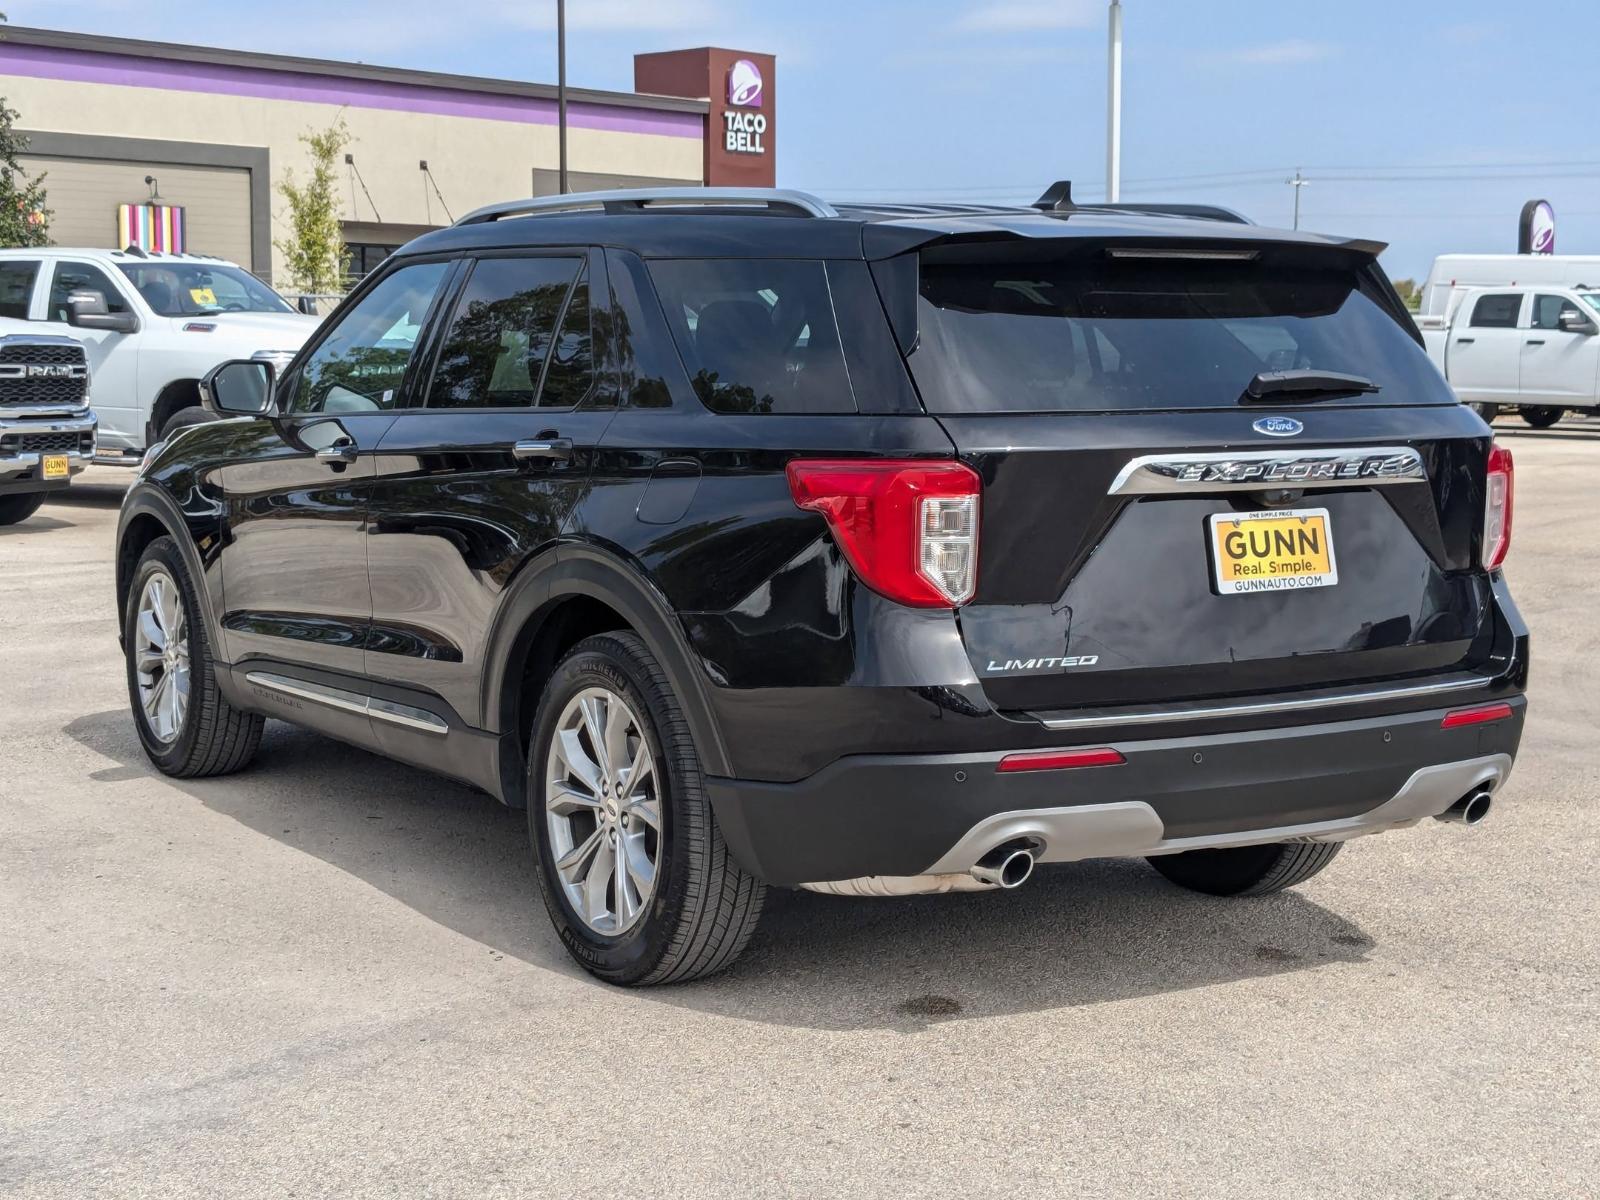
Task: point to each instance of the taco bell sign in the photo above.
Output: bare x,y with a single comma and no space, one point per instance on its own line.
1536,232
744,128
741,112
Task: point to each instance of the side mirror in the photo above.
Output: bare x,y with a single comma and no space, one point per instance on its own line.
1573,321
241,387
87,310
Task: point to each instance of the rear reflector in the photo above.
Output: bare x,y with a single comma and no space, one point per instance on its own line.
1475,716
1057,760
1497,508
908,527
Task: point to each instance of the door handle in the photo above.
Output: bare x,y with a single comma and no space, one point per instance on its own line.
340,453
1464,341
1535,341
555,449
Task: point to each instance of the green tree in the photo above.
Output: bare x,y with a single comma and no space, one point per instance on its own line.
24,217
314,252
1409,293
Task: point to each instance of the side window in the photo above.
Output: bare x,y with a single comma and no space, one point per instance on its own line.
16,287
359,366
1548,310
756,335
515,316
1497,311
81,277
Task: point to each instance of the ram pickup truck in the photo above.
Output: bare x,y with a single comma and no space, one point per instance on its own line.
1531,348
151,325
47,431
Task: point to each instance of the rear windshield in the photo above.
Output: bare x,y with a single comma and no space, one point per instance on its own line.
1104,333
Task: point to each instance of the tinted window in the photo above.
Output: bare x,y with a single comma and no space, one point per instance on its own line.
1496,312
504,333
178,289
16,287
359,366
756,336
81,277
1101,333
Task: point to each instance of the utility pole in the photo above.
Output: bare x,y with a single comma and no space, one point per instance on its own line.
561,89
1299,181
1114,105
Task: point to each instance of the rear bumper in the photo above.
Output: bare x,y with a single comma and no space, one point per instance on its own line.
905,815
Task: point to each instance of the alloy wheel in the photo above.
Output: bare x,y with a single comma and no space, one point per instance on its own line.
161,656
603,811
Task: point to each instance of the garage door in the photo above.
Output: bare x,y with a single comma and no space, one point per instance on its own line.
84,195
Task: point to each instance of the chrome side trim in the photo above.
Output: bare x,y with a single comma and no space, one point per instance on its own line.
1132,829
354,702
1110,718
1349,466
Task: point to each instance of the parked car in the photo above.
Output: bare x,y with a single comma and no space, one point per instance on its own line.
46,428
151,325
1532,348
750,541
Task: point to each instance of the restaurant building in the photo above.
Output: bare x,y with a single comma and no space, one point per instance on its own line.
182,147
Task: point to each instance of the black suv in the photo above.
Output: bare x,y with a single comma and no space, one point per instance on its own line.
746,540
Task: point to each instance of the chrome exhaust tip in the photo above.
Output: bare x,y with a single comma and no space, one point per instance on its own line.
1470,810
1004,867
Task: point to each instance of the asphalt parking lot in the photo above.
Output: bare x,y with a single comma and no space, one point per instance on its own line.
330,975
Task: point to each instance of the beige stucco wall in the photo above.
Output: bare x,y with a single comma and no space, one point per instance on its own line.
474,161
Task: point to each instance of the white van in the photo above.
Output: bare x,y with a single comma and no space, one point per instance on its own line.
1453,274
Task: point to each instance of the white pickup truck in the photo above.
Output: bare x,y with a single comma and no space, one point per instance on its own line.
152,324
1536,349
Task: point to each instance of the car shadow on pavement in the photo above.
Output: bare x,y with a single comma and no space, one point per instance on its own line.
89,495
1079,934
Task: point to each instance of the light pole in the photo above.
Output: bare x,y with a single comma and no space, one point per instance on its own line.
561,90
1114,105
1299,181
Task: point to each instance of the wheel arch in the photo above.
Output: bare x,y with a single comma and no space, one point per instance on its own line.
572,592
174,396
148,514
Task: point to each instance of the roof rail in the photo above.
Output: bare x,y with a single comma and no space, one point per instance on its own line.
772,200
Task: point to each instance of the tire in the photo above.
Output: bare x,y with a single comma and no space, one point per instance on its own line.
1487,411
209,736
702,907
19,507
185,417
1540,416
1246,870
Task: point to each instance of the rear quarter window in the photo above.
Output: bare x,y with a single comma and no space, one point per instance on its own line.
756,335
1096,333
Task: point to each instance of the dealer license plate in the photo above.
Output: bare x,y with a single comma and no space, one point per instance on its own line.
55,466
1272,551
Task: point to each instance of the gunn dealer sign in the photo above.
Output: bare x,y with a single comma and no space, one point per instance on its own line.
745,126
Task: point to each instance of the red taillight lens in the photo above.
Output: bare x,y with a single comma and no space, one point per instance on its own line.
1497,508
908,528
1475,716
1059,760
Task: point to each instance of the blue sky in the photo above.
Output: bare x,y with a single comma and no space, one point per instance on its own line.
1423,125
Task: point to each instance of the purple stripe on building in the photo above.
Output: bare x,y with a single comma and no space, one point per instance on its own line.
126,70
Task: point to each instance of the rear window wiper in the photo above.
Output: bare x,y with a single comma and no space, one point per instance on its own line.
1304,385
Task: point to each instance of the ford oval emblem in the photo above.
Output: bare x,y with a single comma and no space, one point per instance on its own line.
1278,426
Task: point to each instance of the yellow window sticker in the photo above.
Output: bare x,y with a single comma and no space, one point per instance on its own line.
202,295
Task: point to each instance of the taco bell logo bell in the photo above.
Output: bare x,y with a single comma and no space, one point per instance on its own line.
744,132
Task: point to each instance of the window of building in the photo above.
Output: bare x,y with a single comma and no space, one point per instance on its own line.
16,287
519,321
363,258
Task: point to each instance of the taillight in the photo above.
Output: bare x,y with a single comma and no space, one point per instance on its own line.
1497,508
908,528
1475,716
